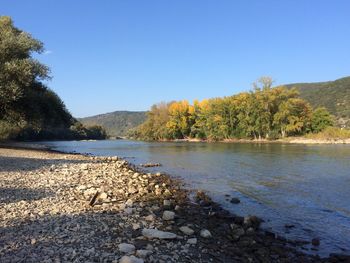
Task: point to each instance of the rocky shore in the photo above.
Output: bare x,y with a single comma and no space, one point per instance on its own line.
58,207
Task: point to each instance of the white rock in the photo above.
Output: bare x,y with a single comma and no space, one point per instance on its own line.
205,233
192,241
103,196
126,248
186,230
131,259
155,233
168,215
136,226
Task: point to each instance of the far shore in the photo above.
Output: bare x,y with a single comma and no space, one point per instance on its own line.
79,208
292,140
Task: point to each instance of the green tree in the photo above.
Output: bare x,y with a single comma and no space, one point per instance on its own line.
293,117
321,119
18,69
28,109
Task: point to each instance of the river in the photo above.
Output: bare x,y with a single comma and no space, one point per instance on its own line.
304,186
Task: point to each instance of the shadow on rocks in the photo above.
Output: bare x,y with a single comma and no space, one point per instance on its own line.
10,195
79,238
17,164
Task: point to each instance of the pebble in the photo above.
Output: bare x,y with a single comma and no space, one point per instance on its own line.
192,241
150,218
186,230
103,196
126,248
155,233
168,215
205,233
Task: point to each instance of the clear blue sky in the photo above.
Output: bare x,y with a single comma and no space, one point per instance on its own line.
128,54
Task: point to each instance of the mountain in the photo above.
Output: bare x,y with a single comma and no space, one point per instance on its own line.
334,95
116,123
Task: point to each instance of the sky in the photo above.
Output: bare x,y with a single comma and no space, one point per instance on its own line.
129,54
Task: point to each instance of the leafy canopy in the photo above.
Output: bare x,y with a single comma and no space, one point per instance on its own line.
264,112
28,109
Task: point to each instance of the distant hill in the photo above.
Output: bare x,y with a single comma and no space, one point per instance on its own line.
116,123
334,95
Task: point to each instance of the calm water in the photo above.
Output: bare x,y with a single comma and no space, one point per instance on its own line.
303,185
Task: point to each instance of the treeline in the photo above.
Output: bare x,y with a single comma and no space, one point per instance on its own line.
28,109
263,113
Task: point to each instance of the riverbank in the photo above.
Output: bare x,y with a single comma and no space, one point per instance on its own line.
63,207
294,140
302,140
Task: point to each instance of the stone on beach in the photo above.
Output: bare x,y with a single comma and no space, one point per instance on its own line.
205,233
192,241
103,196
186,230
168,215
155,233
126,248
150,218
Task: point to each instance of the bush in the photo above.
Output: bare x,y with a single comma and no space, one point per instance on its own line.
321,119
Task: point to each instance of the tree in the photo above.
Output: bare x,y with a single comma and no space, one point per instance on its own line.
293,117
18,69
180,119
154,128
28,109
321,119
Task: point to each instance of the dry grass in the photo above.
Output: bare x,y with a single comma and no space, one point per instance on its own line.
330,133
